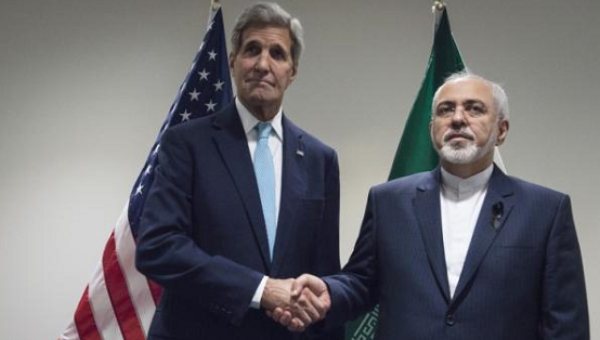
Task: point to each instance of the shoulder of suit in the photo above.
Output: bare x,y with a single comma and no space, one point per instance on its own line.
528,188
306,138
208,123
406,184
196,130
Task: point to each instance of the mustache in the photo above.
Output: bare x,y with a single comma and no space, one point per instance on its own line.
464,133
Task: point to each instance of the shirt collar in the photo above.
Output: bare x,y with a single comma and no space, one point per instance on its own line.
249,121
474,183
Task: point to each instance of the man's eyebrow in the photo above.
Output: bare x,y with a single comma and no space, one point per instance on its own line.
251,42
474,101
446,102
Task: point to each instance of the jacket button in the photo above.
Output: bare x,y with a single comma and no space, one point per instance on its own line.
450,320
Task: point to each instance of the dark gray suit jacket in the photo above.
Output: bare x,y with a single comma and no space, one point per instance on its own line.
203,237
522,280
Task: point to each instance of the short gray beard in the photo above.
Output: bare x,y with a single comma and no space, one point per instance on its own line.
466,152
460,154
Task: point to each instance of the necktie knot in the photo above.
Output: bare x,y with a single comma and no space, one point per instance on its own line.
264,130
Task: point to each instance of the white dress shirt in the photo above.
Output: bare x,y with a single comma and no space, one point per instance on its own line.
461,201
249,123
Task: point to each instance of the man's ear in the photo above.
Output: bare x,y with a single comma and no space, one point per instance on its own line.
231,60
503,127
294,74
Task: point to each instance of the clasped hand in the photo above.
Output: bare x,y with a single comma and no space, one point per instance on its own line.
296,303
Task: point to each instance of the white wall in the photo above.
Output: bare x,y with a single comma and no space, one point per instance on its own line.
84,86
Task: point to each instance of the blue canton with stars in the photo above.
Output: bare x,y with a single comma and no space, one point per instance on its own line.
205,90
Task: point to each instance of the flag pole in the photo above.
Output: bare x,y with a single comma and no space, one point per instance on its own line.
215,5
437,9
438,5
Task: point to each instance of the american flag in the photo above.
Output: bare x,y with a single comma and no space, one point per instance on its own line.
119,302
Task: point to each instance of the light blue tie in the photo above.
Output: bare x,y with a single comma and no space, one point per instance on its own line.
265,176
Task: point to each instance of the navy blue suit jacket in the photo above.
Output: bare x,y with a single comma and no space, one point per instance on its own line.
522,279
203,235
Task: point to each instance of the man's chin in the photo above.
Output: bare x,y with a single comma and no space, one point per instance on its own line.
262,97
458,144
459,154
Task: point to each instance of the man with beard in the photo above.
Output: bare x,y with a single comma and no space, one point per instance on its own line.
464,251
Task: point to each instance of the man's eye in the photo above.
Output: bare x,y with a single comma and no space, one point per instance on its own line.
475,109
252,50
278,54
444,110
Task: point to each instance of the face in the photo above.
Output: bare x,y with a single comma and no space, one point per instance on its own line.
263,69
465,126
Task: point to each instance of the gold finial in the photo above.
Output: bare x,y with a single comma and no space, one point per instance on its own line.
215,5
438,5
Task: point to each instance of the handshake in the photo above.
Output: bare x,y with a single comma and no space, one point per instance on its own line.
296,303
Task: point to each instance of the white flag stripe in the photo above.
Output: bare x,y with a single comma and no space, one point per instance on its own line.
70,333
498,160
104,316
138,288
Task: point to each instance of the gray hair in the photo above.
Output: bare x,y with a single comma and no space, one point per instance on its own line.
498,93
268,14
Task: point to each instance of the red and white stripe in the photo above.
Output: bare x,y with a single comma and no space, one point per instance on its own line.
119,302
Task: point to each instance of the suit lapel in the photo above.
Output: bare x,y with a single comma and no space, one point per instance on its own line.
292,182
232,144
428,212
499,193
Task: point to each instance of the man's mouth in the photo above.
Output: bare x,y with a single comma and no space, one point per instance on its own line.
457,135
260,82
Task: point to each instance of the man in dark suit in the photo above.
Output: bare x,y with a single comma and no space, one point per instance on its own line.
241,198
464,251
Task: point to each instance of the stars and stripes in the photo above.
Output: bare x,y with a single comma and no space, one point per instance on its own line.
119,302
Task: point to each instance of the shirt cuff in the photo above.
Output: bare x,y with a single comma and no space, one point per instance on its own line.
255,303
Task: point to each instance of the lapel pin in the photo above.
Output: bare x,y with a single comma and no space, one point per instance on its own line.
496,223
300,153
497,211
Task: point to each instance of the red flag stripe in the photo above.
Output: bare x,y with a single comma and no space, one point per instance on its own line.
119,294
139,291
141,294
84,319
156,291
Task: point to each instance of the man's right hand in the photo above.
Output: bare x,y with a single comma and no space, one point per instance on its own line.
277,293
309,302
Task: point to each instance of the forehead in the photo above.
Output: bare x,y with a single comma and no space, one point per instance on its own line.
466,89
269,35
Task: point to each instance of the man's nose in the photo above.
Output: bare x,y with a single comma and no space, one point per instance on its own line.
458,117
459,113
262,62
